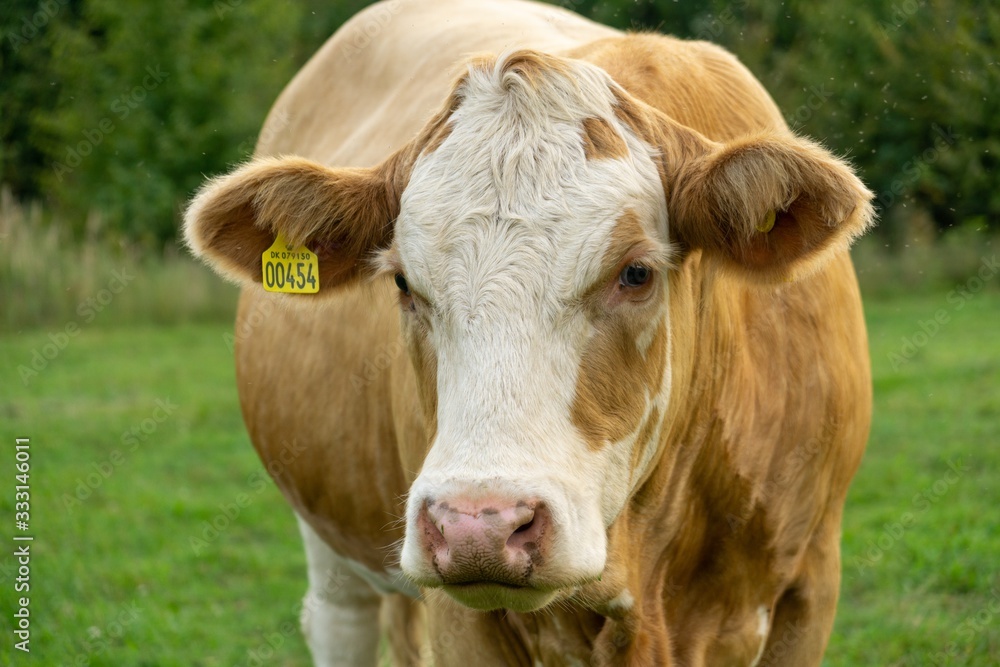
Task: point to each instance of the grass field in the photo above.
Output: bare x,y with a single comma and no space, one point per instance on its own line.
137,449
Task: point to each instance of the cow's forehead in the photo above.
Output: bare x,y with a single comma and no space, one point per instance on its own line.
515,192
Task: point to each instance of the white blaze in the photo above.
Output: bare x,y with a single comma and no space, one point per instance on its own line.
501,229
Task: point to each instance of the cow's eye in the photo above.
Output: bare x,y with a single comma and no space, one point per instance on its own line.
634,275
401,284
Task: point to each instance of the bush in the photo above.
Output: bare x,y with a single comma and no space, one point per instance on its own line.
123,106
906,88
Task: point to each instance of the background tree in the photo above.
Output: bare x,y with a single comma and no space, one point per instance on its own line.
115,110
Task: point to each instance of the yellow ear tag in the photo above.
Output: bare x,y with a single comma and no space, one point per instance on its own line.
767,224
290,270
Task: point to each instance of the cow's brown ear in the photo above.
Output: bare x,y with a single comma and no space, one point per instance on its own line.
341,214
770,206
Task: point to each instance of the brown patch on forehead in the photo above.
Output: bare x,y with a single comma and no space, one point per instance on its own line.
601,141
627,233
675,144
616,381
626,238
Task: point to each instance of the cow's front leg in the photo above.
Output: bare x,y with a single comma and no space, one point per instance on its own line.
340,612
803,617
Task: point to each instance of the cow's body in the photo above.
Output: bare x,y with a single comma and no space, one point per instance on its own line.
727,552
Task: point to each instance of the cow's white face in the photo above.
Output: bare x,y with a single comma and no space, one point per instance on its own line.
531,248
531,258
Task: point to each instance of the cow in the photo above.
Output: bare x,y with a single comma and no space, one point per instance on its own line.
586,377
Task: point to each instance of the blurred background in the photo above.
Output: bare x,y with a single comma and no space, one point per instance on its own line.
112,112
115,110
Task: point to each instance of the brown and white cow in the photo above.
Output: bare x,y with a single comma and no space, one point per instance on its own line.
587,376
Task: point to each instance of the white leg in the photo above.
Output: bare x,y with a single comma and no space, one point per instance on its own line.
340,611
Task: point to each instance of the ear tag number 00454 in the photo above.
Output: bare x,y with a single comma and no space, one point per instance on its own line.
290,270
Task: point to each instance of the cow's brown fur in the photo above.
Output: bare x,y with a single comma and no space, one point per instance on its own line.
601,141
770,390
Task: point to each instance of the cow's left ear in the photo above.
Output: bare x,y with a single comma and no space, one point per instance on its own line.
342,214
769,205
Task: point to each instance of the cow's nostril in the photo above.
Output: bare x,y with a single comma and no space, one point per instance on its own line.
432,526
528,535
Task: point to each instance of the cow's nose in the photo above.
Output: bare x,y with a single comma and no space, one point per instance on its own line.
484,541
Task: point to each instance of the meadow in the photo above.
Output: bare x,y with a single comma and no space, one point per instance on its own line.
159,539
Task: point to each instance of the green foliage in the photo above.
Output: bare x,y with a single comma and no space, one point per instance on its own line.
26,55
122,107
906,88
153,96
909,98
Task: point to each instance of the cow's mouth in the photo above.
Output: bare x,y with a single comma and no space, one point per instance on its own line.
487,596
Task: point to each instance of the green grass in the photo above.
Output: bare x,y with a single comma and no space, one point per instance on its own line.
933,585
128,544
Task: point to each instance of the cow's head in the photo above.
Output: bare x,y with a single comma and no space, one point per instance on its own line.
531,229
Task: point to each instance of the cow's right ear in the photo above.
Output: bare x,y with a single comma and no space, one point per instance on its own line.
770,206
341,214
